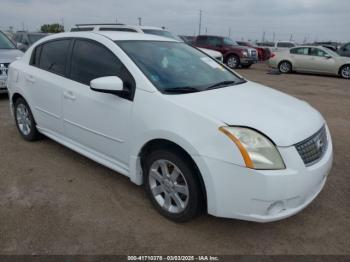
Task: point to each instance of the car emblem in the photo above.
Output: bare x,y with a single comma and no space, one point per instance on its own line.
319,144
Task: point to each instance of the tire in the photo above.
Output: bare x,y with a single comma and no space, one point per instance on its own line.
285,67
345,71
25,121
233,61
172,185
246,66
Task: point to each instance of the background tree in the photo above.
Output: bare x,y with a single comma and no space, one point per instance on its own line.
52,28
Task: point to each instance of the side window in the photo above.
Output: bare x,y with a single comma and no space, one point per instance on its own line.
53,56
214,41
35,59
202,40
300,51
285,45
91,60
317,52
347,47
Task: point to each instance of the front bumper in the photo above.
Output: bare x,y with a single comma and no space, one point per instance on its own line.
249,60
3,88
263,195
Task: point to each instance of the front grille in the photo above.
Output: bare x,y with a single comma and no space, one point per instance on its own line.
313,148
253,53
3,68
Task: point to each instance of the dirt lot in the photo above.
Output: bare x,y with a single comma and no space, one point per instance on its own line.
54,201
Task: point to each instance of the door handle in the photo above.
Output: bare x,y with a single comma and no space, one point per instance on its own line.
30,78
69,95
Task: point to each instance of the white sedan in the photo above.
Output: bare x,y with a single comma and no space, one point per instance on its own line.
196,134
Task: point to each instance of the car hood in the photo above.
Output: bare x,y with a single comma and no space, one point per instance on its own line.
343,59
284,119
9,55
210,52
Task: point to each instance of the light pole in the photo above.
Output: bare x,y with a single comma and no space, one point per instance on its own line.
200,22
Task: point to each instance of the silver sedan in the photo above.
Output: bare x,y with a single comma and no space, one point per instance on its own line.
311,59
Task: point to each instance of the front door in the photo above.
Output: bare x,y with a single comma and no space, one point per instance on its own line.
98,122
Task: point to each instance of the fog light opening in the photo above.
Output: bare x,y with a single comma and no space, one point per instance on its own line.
275,208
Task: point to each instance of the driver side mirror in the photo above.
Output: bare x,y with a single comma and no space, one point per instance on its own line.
109,85
327,56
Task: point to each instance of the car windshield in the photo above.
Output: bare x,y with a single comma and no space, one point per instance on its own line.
160,33
331,52
177,67
6,43
229,41
35,37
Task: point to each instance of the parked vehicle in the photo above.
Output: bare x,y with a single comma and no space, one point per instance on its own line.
234,55
263,53
188,39
199,136
344,50
311,59
8,54
283,45
331,47
139,29
25,39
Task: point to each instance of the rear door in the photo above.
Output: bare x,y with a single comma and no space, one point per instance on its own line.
45,79
300,57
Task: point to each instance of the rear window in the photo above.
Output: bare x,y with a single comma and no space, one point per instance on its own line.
53,56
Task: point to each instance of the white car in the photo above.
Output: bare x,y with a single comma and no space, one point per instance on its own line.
139,29
197,135
8,54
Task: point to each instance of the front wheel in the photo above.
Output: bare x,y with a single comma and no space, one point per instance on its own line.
25,121
233,61
345,72
172,185
285,67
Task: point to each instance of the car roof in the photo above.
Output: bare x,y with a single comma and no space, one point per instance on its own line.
113,35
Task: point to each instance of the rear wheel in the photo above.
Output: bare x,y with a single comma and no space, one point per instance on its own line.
172,185
233,61
25,121
285,67
345,72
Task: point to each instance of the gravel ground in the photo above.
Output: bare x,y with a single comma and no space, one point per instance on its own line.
54,201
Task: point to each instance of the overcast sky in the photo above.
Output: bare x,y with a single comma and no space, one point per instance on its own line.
248,19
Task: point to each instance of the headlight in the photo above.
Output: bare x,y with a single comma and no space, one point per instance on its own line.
257,150
245,53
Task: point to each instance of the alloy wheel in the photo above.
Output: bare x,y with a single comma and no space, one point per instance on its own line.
285,67
345,72
23,119
232,62
168,186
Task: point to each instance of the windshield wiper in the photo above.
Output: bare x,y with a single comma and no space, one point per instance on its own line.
181,90
221,84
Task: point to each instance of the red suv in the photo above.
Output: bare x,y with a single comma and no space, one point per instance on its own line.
263,53
234,55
